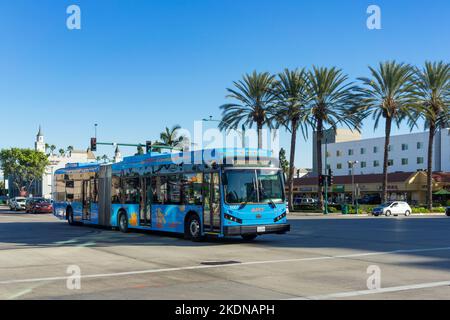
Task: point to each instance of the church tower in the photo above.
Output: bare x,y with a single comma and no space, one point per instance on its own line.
117,155
39,145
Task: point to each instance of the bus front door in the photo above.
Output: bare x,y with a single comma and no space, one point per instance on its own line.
146,202
211,206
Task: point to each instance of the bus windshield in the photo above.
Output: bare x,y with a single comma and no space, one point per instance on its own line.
253,186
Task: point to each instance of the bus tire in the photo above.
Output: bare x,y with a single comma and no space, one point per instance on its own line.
249,237
192,229
123,222
69,214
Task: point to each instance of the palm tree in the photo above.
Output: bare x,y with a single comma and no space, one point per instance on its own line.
105,158
388,94
331,101
432,88
47,146
291,111
98,158
255,97
52,149
61,152
170,137
70,149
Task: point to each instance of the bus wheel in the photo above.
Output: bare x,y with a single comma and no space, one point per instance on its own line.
249,237
123,222
193,228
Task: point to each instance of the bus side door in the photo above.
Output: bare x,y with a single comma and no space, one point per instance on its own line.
211,204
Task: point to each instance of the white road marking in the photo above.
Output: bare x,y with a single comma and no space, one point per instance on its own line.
349,294
19,294
196,267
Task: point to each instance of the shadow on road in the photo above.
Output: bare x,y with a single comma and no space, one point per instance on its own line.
366,235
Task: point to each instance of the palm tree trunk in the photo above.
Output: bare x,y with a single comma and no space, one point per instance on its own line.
259,128
291,165
319,135
430,166
385,158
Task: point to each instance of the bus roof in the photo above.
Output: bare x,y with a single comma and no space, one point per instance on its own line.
153,158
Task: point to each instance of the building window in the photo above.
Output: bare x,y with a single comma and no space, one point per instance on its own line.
390,147
363,164
404,161
404,147
339,166
338,153
375,149
390,163
419,145
376,163
419,160
363,150
350,152
328,154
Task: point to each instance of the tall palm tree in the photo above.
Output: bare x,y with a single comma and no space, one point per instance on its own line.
254,98
61,152
52,149
291,111
70,149
170,137
388,94
332,98
105,158
47,146
432,88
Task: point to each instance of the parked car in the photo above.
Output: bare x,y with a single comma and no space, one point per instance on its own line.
447,211
30,202
303,201
17,203
392,208
41,206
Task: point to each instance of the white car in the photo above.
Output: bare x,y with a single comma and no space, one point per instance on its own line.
392,208
17,203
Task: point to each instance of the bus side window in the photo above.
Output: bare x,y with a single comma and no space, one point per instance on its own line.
115,189
192,188
173,189
131,190
159,189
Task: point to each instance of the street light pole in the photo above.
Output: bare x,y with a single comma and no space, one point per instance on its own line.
352,164
241,133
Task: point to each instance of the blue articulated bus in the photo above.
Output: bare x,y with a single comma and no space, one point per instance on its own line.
217,192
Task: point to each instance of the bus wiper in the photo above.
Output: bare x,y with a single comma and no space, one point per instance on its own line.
270,201
243,204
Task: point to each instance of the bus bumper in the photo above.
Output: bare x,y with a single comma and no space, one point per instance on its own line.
256,229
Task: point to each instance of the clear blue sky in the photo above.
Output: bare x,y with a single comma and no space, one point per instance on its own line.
137,66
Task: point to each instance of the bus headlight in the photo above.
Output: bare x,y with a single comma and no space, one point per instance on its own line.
231,218
283,215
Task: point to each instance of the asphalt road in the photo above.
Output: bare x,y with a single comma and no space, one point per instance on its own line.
321,258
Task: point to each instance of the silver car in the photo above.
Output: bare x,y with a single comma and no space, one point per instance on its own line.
17,203
392,208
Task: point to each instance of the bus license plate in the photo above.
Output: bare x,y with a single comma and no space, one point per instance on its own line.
261,229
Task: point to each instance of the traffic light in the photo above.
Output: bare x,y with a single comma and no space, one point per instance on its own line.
93,144
330,177
321,180
148,146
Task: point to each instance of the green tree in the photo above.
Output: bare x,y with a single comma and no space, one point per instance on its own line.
62,152
332,98
254,97
291,111
23,165
105,158
70,149
284,164
388,94
52,149
432,93
170,137
140,151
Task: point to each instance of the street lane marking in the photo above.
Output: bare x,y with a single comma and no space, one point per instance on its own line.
350,294
127,273
19,294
